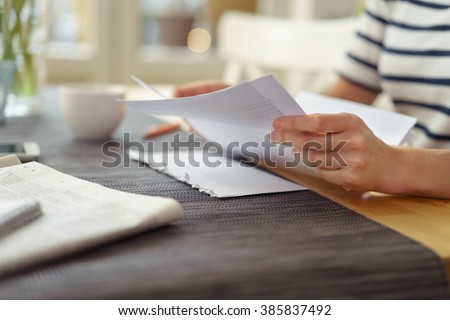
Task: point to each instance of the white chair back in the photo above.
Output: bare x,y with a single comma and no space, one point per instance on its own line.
253,44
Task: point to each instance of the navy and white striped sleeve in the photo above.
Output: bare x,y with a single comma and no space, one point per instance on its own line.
361,63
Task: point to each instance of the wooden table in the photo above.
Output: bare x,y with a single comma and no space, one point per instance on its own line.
424,220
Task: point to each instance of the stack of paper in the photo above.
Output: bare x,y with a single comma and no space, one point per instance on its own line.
223,177
243,114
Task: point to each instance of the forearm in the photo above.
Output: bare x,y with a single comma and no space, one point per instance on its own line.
421,172
344,89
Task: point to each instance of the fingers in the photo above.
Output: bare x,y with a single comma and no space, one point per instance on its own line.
323,160
340,147
160,129
325,141
196,88
318,123
305,140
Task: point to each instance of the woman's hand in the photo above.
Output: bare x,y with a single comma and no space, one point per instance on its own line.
196,88
342,150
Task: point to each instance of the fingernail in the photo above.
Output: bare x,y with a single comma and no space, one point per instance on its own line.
277,124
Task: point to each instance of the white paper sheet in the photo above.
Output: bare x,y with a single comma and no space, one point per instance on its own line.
217,176
243,104
393,128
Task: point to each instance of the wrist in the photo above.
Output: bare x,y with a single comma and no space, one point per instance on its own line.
397,172
417,172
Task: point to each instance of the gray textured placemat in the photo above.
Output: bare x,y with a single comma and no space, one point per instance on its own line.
296,245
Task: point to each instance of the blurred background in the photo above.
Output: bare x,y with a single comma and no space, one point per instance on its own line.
160,41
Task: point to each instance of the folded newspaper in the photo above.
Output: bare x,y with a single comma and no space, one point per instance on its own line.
76,215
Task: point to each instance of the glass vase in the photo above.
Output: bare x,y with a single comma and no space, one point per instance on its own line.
23,36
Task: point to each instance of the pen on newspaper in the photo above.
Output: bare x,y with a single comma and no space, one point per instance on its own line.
17,213
160,129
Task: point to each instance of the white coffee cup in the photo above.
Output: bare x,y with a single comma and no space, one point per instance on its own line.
92,111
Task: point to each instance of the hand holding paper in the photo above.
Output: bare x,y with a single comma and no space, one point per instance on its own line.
243,114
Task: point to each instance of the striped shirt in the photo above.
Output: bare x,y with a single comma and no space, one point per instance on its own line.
402,48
